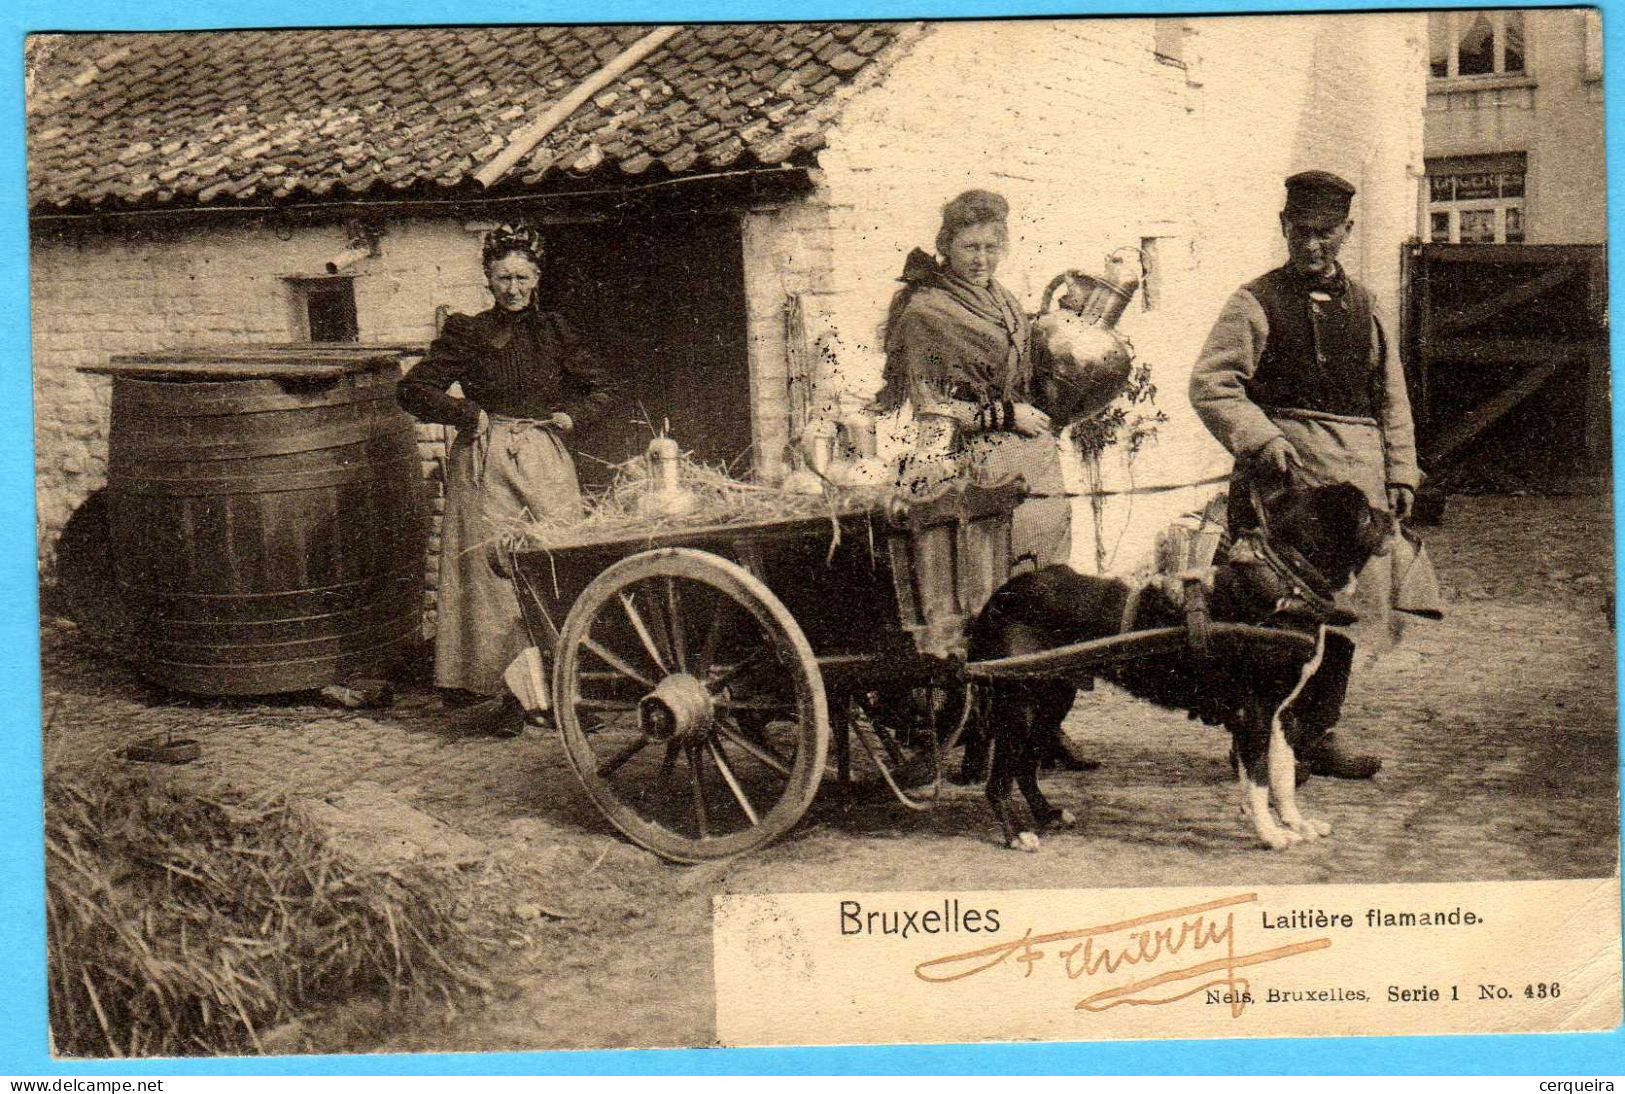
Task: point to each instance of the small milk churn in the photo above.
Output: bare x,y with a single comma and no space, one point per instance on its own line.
818,442
666,496
857,466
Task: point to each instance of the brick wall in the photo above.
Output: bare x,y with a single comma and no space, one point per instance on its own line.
1099,144
788,253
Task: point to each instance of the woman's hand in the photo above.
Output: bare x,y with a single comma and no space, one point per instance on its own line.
482,446
935,433
1028,421
1022,419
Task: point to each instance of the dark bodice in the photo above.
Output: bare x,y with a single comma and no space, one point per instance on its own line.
526,364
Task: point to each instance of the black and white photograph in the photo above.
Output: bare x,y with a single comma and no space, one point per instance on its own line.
505,492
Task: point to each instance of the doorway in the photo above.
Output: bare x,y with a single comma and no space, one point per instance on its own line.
661,301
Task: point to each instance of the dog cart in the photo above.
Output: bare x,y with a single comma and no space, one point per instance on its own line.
699,675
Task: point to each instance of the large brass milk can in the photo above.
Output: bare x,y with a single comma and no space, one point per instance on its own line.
1083,362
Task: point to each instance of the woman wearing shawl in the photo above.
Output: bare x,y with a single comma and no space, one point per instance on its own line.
957,351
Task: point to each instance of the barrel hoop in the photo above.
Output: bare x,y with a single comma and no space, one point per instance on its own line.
268,678
161,403
258,653
362,585
404,582
238,448
372,610
208,666
225,385
376,434
131,482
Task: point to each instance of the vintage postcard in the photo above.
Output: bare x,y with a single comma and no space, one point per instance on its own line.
630,536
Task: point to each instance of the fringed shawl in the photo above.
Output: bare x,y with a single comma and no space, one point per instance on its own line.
948,339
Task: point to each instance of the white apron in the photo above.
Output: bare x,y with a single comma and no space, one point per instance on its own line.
1338,448
517,472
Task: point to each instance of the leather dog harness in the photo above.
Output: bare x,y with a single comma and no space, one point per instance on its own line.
1282,575
1298,587
1274,574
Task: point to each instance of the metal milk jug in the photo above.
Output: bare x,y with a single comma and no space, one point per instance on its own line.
1080,360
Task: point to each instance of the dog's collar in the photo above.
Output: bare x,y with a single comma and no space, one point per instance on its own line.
1297,582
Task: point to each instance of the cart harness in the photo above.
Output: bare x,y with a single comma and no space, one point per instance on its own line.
1281,574
1276,575
1188,588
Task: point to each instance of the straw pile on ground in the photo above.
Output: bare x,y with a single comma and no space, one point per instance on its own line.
185,919
720,500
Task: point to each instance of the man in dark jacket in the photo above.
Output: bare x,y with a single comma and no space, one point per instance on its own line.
1298,379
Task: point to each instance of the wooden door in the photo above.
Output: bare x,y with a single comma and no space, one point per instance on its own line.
1508,355
661,299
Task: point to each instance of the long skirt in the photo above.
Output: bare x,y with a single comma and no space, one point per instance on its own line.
518,471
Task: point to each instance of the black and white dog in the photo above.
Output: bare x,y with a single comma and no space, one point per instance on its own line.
1309,546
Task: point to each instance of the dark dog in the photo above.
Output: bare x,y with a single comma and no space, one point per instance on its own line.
1318,539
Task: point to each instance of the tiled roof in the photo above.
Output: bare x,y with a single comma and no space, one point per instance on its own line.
256,117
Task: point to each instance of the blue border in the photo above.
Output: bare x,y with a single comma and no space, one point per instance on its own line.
22,1011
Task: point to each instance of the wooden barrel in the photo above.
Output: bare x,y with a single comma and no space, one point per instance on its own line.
268,517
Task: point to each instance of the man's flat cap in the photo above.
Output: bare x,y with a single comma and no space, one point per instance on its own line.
1318,199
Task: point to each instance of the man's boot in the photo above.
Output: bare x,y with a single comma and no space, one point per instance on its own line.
1061,757
1318,709
1329,756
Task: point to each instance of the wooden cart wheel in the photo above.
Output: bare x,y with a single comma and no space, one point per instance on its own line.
690,704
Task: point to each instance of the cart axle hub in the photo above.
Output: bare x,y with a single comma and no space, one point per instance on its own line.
678,708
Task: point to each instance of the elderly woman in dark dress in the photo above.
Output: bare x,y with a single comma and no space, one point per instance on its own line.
527,382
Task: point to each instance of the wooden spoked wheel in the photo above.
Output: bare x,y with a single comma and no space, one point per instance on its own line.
691,705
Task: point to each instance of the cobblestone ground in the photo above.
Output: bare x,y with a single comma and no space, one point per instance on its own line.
1498,726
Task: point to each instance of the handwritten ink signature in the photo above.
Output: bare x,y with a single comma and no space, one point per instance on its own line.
1143,941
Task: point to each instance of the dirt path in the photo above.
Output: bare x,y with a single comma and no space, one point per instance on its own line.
1498,727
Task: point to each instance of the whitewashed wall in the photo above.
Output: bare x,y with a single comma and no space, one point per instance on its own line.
198,282
1098,144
